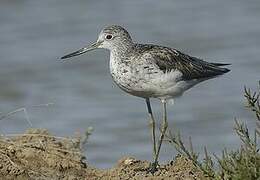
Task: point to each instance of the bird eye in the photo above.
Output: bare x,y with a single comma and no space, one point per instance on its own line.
109,36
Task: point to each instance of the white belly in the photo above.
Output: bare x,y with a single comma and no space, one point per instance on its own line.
140,82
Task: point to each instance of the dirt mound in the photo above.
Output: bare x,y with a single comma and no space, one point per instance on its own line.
131,168
38,155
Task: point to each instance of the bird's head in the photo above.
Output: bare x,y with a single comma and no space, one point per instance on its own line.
111,38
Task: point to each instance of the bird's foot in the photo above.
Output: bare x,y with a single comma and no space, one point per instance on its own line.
153,167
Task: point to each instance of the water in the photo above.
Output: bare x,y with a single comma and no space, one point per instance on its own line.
34,34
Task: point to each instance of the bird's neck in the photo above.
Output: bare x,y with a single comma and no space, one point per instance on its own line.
120,57
121,51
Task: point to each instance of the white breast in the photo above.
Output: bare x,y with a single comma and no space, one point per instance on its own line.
119,72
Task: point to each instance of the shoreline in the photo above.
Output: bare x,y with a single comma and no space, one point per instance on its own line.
37,154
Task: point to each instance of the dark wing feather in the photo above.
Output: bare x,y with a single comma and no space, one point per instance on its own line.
221,64
168,59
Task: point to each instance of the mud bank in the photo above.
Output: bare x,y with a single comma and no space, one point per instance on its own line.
37,154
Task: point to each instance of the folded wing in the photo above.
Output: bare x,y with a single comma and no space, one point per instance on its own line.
168,59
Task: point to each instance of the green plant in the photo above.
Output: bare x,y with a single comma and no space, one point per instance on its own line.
241,164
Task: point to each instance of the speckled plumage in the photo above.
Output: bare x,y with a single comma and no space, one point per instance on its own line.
148,70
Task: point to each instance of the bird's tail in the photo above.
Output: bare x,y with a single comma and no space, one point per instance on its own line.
221,64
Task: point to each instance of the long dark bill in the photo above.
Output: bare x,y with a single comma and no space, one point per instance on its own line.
83,50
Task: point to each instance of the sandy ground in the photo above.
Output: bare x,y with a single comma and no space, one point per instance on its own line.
36,154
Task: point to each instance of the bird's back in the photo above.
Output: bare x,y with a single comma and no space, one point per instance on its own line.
168,59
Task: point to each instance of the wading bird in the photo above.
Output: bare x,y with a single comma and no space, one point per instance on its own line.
151,71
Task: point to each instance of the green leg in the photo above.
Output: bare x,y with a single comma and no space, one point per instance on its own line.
164,127
152,124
